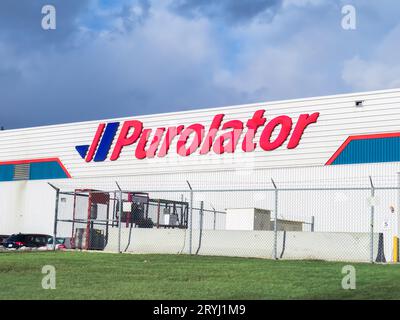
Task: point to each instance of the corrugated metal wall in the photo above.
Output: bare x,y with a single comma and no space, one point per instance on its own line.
339,118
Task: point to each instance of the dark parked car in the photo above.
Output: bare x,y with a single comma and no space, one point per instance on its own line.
2,238
19,240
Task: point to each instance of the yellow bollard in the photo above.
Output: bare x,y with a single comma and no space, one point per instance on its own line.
395,249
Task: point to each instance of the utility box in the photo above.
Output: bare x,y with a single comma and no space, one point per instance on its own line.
287,225
96,239
248,219
171,219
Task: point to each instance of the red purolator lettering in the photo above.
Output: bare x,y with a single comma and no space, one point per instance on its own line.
209,140
172,132
253,124
220,145
196,129
141,152
286,126
125,140
304,121
189,139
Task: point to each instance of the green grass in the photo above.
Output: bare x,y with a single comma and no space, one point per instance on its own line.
111,276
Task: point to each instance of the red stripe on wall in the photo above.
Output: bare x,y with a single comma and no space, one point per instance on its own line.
95,142
360,137
15,162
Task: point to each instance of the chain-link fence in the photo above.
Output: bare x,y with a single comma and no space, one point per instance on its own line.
336,223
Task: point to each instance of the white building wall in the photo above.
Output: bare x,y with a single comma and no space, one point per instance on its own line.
26,206
340,208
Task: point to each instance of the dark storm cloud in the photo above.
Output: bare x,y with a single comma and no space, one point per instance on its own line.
232,11
20,22
129,57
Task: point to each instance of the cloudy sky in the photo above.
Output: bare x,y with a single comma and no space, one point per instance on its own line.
130,57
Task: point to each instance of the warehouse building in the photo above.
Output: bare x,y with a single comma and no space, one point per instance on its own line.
345,142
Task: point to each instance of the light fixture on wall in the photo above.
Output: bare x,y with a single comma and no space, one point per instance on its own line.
359,103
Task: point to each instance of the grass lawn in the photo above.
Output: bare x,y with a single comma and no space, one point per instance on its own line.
91,275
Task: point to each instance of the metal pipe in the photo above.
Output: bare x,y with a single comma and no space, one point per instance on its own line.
372,213
158,214
212,211
94,223
190,218
191,222
119,221
275,222
56,218
215,220
201,226
280,189
263,190
89,218
398,206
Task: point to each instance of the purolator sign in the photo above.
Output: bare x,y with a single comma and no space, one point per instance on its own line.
196,138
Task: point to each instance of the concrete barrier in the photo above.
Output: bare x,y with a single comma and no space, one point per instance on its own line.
258,244
164,241
330,246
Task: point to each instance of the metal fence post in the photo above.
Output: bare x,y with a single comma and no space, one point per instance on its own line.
312,223
201,226
372,221
190,218
56,218
215,219
55,215
119,221
398,207
275,222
